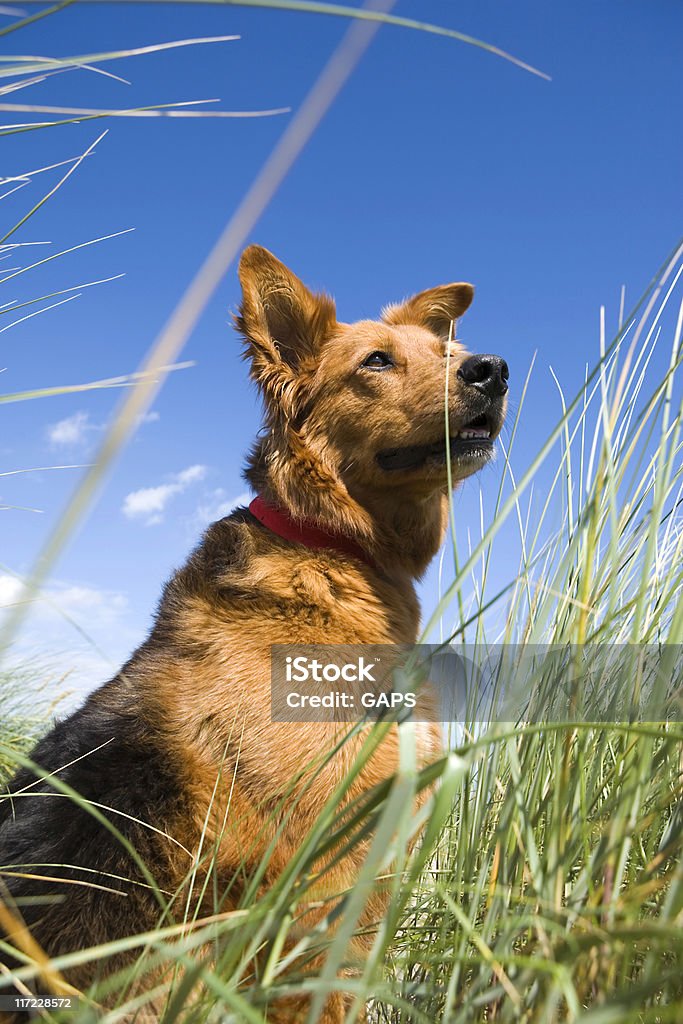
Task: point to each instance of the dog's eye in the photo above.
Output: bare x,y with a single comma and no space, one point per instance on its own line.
377,361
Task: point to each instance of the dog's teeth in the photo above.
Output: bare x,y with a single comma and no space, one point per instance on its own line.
470,435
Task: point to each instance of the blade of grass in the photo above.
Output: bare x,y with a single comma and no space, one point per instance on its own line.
128,380
31,64
77,163
31,18
358,13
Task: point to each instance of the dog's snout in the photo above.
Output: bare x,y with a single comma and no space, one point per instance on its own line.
487,373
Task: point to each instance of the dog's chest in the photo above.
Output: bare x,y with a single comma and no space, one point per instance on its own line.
322,600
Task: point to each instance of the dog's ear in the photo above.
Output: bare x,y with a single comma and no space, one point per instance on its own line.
283,322
435,308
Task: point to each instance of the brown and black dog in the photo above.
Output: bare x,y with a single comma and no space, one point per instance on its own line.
353,457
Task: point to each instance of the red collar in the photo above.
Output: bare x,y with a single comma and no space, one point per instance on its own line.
285,526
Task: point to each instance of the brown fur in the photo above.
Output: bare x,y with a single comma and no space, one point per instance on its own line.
198,690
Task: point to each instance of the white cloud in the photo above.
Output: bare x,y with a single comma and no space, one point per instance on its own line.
216,505
74,635
149,503
102,607
71,431
148,417
191,475
75,430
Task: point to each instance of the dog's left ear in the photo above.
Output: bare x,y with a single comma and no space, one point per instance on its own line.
435,308
283,323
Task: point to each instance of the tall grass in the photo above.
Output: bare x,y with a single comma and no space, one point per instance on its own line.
547,884
541,880
26,709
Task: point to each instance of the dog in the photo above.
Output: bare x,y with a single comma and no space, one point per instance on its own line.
179,753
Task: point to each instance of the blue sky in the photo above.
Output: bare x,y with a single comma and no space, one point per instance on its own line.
437,162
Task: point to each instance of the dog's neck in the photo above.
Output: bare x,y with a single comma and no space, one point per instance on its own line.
399,534
281,522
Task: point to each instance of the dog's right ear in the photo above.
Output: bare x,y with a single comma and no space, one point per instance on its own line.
283,323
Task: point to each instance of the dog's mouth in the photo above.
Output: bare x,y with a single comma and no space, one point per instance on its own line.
471,444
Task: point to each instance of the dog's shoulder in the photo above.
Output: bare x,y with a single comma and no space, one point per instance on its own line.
243,573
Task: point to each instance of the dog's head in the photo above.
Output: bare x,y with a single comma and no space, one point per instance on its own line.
366,402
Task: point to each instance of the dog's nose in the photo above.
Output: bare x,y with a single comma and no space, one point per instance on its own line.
488,373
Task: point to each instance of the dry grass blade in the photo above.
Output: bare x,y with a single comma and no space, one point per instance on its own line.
155,111
24,941
30,64
129,380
